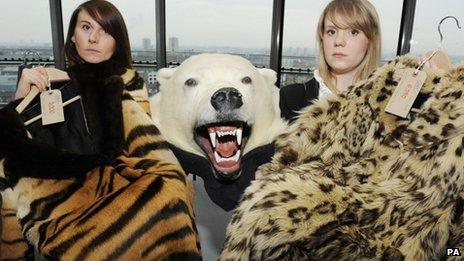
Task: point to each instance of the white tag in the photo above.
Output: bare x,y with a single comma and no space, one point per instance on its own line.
406,92
52,107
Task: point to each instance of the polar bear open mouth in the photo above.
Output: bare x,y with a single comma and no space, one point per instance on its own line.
223,142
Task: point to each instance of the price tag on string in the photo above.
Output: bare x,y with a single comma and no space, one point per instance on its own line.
406,92
52,107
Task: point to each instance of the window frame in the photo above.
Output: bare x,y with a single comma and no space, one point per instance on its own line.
405,33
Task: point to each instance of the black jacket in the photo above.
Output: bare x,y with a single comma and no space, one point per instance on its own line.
92,134
295,97
71,135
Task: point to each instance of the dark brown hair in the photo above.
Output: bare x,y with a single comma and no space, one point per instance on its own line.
111,20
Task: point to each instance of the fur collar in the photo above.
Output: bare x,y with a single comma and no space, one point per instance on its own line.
101,87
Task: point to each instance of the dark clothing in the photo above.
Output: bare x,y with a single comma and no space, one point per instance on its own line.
91,135
83,130
70,135
295,97
225,194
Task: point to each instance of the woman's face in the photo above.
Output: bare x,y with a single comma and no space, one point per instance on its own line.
344,49
93,43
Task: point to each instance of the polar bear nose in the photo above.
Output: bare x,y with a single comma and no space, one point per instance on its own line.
226,99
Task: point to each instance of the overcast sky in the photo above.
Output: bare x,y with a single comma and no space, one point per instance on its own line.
237,23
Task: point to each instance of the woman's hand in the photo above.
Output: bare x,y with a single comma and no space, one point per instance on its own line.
35,76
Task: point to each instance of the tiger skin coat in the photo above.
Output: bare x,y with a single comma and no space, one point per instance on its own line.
350,181
132,201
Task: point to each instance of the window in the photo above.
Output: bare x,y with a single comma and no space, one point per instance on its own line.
8,77
390,22
299,40
241,27
25,25
300,46
425,35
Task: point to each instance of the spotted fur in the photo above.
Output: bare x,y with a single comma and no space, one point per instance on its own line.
350,181
138,206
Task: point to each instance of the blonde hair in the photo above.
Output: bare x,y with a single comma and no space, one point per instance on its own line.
357,14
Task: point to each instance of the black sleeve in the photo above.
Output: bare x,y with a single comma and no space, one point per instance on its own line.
295,97
24,157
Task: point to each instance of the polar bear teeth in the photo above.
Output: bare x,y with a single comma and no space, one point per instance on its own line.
237,133
212,137
219,159
239,136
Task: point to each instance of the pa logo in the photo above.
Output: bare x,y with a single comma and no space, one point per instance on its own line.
453,252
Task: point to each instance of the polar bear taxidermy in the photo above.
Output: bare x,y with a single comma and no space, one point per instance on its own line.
220,115
218,107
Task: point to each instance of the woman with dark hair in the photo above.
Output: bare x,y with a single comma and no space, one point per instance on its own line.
103,184
106,21
96,33
97,48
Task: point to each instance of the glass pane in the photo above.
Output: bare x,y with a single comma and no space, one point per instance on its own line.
241,27
25,25
300,47
8,78
390,22
139,17
425,35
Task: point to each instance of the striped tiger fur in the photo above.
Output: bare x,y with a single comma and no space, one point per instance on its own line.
138,206
13,245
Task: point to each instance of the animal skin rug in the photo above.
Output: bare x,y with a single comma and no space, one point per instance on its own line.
130,200
350,181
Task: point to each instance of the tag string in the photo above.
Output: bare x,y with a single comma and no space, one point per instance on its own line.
424,61
49,85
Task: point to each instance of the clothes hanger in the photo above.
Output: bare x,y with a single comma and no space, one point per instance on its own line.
439,58
54,75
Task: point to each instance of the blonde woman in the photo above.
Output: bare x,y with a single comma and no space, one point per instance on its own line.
348,37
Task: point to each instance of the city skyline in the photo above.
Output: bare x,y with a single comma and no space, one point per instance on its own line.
241,23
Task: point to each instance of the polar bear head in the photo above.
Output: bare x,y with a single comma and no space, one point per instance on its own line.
218,106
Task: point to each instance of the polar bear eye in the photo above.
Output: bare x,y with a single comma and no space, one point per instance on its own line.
246,80
191,82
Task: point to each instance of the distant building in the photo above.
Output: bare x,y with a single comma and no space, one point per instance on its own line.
173,44
146,43
306,51
290,51
151,77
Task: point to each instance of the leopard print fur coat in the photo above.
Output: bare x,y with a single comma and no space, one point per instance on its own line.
350,181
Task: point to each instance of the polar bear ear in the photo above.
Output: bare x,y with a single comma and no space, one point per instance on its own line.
163,75
269,75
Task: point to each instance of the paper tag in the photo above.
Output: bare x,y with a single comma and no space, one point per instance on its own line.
52,107
406,92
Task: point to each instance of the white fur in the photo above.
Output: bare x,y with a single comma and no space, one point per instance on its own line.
178,108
